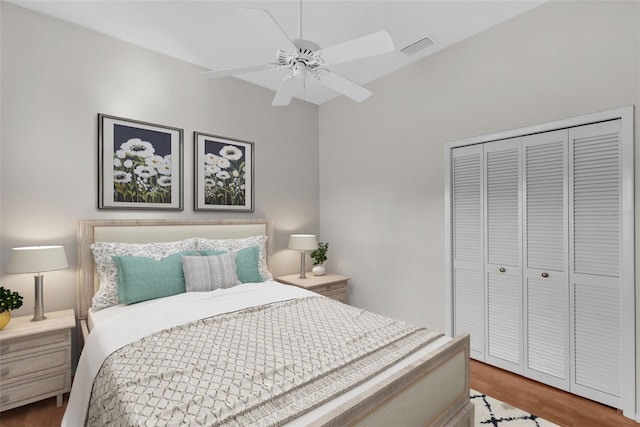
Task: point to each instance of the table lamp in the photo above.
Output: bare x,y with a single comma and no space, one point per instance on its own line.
37,259
303,243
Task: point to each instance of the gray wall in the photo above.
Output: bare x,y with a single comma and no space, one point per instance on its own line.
56,77
382,169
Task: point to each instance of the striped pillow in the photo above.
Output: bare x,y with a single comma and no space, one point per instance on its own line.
207,273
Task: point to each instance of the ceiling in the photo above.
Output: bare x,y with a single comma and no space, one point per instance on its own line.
213,34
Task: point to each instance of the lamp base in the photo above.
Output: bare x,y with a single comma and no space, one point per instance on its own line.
38,308
302,268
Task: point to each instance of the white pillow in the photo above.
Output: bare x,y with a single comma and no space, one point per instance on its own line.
103,252
207,273
230,245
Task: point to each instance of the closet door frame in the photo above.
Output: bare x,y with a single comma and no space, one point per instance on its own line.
628,294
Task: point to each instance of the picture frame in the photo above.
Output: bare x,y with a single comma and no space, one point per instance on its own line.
139,165
223,173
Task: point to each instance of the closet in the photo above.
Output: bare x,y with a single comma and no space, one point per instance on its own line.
540,241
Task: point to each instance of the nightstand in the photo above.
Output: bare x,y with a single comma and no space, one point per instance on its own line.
330,285
35,359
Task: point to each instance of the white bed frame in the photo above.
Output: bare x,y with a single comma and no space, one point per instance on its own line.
433,391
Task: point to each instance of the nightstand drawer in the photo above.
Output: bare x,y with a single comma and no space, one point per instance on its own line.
337,294
57,359
33,343
324,290
21,393
330,285
330,290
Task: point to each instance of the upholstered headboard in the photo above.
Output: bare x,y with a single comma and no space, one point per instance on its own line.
144,231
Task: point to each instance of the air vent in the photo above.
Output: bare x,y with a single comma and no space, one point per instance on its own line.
417,46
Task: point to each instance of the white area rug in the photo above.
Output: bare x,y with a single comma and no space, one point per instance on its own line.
492,412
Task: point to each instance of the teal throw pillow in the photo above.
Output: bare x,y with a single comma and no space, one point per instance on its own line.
142,279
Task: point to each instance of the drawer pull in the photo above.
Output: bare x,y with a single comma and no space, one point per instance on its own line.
4,372
502,269
4,349
545,275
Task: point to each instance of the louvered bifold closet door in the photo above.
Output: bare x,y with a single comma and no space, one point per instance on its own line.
595,275
468,258
545,246
503,272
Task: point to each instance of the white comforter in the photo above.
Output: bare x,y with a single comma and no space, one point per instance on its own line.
140,320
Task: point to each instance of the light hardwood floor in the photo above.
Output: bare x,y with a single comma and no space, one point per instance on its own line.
547,402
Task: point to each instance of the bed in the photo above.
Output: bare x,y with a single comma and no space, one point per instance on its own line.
396,374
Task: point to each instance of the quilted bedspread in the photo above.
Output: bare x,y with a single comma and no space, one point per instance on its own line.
263,365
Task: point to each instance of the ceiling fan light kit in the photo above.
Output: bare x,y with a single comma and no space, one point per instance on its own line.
305,57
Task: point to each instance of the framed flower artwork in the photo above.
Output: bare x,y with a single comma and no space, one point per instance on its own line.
139,165
223,173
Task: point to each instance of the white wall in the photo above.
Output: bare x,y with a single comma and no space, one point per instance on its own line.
56,77
381,169
381,162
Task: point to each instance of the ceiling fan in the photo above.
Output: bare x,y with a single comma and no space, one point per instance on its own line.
304,57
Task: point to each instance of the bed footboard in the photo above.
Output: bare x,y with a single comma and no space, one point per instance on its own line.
433,391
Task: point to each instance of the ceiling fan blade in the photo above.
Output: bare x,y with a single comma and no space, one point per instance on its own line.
373,44
285,91
265,24
342,85
233,71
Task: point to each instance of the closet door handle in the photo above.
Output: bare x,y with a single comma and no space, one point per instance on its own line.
545,275
502,270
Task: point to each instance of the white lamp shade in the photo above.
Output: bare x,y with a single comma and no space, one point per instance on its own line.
37,259
303,242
